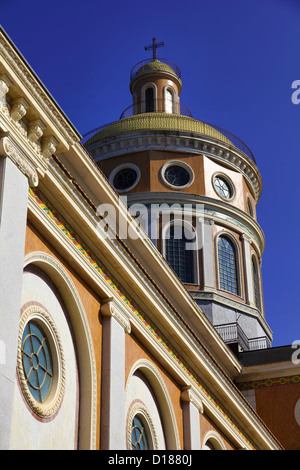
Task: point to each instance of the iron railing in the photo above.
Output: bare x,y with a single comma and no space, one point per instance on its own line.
233,333
141,66
156,106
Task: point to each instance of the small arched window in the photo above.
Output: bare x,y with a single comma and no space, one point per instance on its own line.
256,287
227,265
139,439
168,101
181,259
149,100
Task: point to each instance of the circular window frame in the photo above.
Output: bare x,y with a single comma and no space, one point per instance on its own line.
40,316
140,410
227,181
123,166
182,165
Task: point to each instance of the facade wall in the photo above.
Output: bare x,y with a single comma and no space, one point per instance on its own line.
276,405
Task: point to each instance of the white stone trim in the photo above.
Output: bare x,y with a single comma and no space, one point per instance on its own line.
159,388
297,412
181,164
123,166
8,149
140,409
52,403
215,439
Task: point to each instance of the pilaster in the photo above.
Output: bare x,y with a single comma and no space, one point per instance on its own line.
13,216
114,328
192,407
249,291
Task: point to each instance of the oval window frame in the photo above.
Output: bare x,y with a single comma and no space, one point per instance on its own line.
121,167
182,165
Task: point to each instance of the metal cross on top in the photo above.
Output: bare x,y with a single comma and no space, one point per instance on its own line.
154,47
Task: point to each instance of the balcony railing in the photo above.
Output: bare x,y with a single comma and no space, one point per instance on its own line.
233,333
156,106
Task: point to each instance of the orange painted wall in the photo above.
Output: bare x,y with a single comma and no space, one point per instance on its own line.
150,163
36,242
276,406
207,425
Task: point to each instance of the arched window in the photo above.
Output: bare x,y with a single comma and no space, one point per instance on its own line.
181,259
227,265
256,283
139,440
168,101
149,100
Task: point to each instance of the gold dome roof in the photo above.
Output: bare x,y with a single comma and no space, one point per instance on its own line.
157,121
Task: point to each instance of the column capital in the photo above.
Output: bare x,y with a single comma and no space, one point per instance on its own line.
109,308
245,237
188,395
8,149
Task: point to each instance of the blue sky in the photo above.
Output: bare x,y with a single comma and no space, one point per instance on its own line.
238,61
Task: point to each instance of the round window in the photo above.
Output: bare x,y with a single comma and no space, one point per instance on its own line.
40,362
125,177
36,361
177,174
223,187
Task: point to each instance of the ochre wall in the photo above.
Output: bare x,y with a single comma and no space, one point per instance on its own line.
276,406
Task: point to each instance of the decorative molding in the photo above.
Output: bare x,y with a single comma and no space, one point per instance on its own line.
188,395
140,409
49,146
8,149
149,370
178,142
18,109
274,382
35,130
110,309
53,402
217,211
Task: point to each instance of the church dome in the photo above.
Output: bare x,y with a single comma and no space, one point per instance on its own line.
155,65
157,122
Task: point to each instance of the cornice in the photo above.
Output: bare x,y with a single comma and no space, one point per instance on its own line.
179,141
